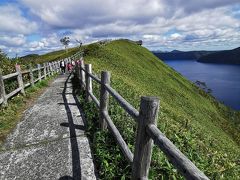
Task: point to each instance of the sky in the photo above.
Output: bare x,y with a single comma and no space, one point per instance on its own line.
31,26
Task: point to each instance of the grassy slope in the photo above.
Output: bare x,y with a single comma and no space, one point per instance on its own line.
194,121
206,131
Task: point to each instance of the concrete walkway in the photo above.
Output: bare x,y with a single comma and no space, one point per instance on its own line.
50,142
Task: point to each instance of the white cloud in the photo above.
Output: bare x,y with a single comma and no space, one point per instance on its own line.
51,42
18,40
12,21
160,23
75,14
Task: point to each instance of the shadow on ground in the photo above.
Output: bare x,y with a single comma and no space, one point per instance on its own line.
76,168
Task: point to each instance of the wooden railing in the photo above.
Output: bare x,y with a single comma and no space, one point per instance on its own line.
147,130
44,70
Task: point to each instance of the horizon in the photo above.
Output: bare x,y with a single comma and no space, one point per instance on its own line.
30,27
196,50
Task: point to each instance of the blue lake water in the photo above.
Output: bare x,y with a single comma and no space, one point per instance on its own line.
224,80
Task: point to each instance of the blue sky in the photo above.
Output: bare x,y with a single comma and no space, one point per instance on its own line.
30,26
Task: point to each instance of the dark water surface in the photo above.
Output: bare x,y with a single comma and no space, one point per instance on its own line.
224,80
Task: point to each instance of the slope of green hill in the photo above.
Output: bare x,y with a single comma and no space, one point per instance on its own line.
205,130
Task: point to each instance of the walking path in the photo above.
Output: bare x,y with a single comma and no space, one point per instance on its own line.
49,143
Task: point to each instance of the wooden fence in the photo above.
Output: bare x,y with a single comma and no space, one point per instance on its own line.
147,130
44,70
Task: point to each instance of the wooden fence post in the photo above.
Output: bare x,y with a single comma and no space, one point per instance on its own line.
143,146
65,61
104,98
2,90
20,79
79,72
88,82
45,70
39,72
76,72
55,66
58,70
31,76
49,70
82,74
52,68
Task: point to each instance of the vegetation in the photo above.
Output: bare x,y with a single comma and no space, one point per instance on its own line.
206,131
202,128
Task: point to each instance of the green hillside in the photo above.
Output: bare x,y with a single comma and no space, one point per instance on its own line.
205,130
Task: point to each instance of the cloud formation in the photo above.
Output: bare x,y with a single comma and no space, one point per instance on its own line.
162,24
12,21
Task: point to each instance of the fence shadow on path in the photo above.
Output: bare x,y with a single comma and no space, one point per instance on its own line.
76,168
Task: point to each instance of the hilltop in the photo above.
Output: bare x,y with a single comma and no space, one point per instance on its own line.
206,131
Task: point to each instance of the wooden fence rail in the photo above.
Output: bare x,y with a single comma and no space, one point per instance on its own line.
44,70
147,130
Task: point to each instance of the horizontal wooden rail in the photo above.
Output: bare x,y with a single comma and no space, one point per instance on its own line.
177,158
36,80
123,103
123,146
34,69
13,92
94,77
95,100
25,72
9,76
27,84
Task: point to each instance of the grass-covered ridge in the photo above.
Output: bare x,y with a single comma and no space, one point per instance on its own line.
205,130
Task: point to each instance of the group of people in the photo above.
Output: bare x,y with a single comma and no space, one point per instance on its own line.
69,66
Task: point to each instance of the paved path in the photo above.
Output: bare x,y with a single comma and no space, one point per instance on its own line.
50,142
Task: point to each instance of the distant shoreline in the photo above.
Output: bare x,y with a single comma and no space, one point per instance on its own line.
214,57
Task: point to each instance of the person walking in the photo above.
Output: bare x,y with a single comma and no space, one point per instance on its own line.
69,67
63,66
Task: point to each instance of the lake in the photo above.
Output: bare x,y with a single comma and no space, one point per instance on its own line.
224,80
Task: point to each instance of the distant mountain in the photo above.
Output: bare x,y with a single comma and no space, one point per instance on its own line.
222,57
176,51
29,56
181,55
